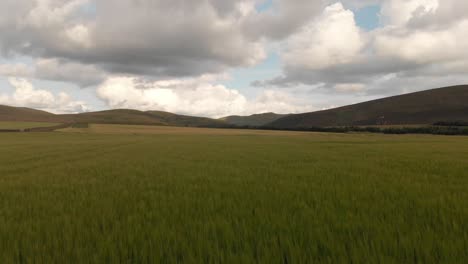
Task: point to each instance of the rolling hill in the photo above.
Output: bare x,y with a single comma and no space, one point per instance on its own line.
426,107
253,120
135,117
447,104
118,116
9,113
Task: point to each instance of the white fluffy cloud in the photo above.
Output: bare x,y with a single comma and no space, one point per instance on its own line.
415,34
422,33
418,40
424,46
26,95
195,96
333,38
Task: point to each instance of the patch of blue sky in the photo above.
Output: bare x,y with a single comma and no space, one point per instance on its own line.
5,87
17,60
242,78
368,17
264,5
89,9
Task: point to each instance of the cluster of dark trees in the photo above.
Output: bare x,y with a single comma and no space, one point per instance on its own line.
432,130
439,128
452,123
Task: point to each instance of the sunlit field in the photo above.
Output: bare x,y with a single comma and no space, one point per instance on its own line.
135,194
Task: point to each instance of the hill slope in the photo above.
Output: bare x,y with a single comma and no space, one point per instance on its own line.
119,116
135,117
426,107
9,113
253,120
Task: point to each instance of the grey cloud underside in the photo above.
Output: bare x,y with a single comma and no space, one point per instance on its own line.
403,77
363,71
67,71
447,13
164,37
348,73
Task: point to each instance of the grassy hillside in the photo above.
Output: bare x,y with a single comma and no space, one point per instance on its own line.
8,113
284,197
119,116
253,120
439,105
426,107
135,117
190,121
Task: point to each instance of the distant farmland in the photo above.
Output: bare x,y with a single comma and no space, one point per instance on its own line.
133,194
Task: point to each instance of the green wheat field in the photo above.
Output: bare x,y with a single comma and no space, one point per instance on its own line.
135,194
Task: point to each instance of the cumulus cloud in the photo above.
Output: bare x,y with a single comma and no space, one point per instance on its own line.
150,37
26,95
194,96
331,39
418,40
424,47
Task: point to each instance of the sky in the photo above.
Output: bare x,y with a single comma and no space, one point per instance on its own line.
216,58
